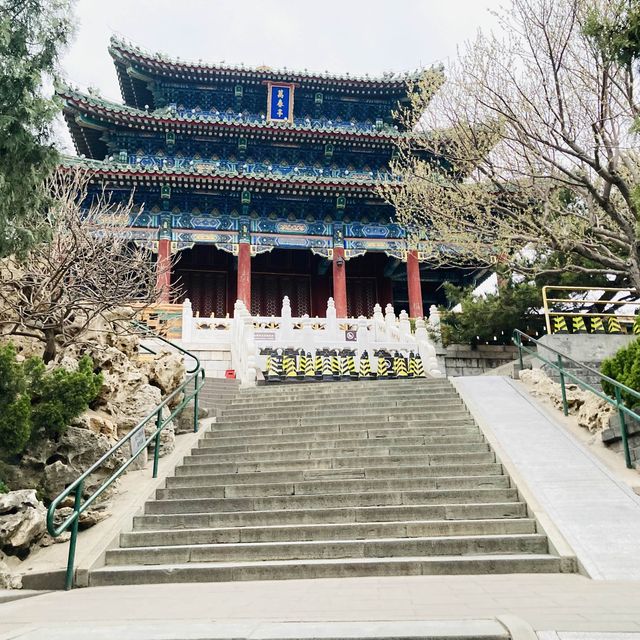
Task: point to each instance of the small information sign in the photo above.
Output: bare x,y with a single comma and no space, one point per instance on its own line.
137,441
350,335
265,335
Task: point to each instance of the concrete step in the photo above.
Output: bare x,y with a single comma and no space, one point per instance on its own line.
359,387
346,424
335,500
342,413
202,475
327,568
334,436
316,532
323,465
355,458
311,550
327,487
442,512
427,397
473,436
223,430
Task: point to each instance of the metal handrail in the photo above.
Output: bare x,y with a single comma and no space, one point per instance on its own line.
558,365
196,376
625,317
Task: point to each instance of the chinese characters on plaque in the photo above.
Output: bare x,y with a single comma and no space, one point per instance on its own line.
280,102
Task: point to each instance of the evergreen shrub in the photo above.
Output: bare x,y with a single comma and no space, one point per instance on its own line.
623,367
36,402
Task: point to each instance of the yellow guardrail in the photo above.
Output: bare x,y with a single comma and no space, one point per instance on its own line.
568,314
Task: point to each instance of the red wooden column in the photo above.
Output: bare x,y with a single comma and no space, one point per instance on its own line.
413,282
244,274
340,282
163,270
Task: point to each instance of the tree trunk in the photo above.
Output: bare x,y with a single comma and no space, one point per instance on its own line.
51,346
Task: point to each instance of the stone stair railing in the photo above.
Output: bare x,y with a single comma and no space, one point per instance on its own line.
252,334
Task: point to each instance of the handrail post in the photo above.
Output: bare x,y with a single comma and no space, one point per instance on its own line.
565,406
545,305
195,403
623,429
68,581
156,449
519,345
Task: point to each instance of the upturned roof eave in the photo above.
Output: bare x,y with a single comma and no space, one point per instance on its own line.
159,63
124,114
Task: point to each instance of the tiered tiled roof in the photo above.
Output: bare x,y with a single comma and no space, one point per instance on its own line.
170,119
207,174
158,64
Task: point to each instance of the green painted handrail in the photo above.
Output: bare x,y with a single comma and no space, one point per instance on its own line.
195,377
558,365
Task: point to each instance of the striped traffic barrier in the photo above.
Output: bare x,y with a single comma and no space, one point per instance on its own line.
301,364
274,371
318,364
412,364
289,365
559,325
327,372
613,325
309,371
636,326
365,367
351,364
383,366
418,371
597,326
336,369
400,365
578,325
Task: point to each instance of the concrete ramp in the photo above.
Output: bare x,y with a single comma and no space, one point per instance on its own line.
597,515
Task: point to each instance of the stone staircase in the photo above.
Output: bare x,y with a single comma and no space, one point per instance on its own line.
336,479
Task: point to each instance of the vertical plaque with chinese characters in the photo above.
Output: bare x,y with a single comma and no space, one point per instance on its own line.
280,102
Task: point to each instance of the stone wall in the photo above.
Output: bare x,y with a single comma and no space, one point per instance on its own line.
463,360
587,348
214,359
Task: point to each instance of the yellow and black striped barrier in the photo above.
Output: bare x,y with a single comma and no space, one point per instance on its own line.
274,369
351,364
560,325
578,324
400,365
597,326
289,365
613,325
418,367
309,370
336,369
301,364
318,364
365,367
327,370
383,366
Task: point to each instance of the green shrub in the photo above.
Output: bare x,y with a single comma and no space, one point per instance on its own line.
623,367
36,402
3,487
495,314
60,395
15,403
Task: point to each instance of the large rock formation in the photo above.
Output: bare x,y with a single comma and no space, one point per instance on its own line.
23,521
592,412
134,383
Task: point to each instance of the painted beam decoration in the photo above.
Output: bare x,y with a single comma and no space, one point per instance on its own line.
280,102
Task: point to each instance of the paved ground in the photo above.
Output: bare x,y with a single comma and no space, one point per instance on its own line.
547,602
597,515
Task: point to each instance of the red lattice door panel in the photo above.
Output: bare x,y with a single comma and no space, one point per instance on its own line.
268,290
362,296
207,291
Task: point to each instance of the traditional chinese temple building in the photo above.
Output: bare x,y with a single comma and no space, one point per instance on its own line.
261,180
